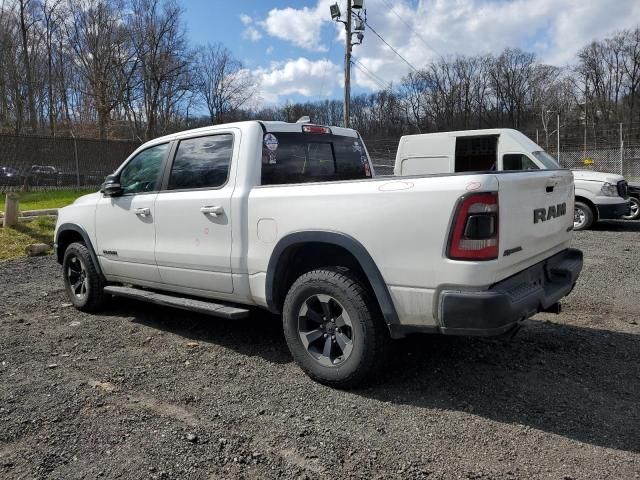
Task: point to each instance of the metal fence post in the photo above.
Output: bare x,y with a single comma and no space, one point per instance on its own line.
75,155
621,152
558,126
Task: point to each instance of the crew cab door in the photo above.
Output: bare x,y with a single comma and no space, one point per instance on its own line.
125,224
193,215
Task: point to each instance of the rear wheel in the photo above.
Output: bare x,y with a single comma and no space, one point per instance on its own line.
582,216
334,329
635,209
83,283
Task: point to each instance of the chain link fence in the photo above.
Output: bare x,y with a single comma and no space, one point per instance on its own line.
44,163
624,161
382,154
613,159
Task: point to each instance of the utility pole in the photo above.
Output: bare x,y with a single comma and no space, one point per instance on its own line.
347,68
353,10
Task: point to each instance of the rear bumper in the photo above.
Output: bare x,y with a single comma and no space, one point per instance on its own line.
613,210
507,303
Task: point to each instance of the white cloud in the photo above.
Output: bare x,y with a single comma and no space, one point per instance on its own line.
301,27
252,34
269,50
300,76
553,29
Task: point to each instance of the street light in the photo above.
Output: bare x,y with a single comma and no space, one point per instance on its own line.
335,12
354,19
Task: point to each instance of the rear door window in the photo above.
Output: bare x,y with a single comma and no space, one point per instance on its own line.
201,162
291,157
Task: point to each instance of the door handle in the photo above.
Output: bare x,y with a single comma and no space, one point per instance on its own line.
144,211
212,210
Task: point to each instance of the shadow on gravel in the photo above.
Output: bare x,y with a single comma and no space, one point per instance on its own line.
580,383
258,335
617,226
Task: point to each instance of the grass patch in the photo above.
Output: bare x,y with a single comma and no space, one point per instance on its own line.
50,199
14,240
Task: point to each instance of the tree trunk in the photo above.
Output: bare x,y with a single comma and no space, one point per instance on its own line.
33,119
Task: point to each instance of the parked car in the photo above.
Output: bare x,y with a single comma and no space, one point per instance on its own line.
598,195
10,176
44,175
634,200
289,217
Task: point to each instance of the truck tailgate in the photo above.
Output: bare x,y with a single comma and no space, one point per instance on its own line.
536,216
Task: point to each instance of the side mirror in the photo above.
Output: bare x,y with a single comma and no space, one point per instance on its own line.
111,186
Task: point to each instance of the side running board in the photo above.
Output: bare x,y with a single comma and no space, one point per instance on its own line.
200,306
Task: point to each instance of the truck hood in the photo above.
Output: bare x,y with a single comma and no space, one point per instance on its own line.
592,176
90,198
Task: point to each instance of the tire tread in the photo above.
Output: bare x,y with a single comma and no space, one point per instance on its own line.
97,297
377,343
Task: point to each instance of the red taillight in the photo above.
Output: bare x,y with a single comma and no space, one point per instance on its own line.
474,234
315,129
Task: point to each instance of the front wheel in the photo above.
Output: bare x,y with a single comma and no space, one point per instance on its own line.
582,216
83,283
334,329
635,209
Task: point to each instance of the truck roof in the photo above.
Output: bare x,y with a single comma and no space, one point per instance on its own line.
270,126
512,134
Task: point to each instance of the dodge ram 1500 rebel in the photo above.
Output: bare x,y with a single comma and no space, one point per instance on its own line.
291,218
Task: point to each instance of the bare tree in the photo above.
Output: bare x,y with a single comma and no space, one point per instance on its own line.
106,61
222,82
511,72
27,21
161,49
631,65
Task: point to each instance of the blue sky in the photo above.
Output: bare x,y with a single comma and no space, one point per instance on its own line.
295,51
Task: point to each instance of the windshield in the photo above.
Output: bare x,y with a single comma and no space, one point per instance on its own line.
547,160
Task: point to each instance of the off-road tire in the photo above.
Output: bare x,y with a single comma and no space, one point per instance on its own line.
95,297
370,335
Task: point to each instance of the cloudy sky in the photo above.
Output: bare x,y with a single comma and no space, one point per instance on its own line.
297,52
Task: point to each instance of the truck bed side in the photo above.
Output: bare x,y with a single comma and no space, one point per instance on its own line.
404,225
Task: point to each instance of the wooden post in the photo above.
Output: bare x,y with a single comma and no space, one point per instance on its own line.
11,211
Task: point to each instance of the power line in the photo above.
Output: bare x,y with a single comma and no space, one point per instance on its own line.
417,34
360,67
381,81
393,49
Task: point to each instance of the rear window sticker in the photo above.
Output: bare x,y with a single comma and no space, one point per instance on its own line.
271,142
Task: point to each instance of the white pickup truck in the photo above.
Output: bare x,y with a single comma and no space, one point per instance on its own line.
290,218
598,196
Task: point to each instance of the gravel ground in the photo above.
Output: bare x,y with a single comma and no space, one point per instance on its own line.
145,392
